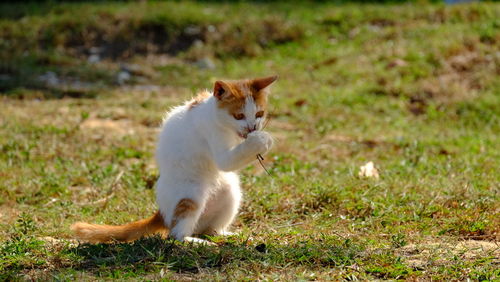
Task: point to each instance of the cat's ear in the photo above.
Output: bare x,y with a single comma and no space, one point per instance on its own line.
221,89
261,83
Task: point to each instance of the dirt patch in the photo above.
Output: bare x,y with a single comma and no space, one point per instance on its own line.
112,127
460,78
459,73
438,253
8,213
107,127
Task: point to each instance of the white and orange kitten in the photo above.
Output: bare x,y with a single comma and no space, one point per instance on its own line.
201,145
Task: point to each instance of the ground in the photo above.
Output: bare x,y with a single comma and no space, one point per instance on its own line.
414,89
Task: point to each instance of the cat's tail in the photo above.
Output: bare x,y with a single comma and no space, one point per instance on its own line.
96,233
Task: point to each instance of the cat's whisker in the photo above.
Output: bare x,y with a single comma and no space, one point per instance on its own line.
267,121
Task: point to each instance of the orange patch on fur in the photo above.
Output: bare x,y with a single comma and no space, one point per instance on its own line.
184,208
124,233
261,100
198,99
240,90
233,105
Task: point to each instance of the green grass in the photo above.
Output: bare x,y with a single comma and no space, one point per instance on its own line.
413,88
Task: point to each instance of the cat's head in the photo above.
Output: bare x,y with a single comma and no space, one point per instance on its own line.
242,104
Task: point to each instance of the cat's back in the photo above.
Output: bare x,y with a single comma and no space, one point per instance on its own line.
185,115
177,126
183,121
181,139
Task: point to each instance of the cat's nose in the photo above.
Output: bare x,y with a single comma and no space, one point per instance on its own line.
251,128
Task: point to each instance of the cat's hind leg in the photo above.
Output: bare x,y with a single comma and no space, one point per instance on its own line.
221,207
182,204
184,218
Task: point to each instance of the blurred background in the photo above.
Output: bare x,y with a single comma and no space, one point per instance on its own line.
412,86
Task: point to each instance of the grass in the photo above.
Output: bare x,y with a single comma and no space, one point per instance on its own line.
413,89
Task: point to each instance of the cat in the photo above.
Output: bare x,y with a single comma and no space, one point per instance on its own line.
201,145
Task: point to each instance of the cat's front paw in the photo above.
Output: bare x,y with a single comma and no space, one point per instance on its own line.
260,142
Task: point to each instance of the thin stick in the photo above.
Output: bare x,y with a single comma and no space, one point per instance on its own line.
260,159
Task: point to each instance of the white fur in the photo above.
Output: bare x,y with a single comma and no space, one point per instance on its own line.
198,151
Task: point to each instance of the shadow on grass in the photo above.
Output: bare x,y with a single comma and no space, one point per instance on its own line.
185,257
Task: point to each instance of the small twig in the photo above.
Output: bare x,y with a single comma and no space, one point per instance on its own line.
340,235
103,201
260,159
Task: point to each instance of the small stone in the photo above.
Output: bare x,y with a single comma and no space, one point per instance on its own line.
368,170
136,70
49,78
95,50
198,44
94,58
205,63
122,77
192,30
211,28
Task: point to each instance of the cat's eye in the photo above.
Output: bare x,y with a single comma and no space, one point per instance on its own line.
259,114
239,116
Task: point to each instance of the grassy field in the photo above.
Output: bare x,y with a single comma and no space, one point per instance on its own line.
413,88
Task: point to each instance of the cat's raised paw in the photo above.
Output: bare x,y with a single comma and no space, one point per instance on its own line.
260,142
